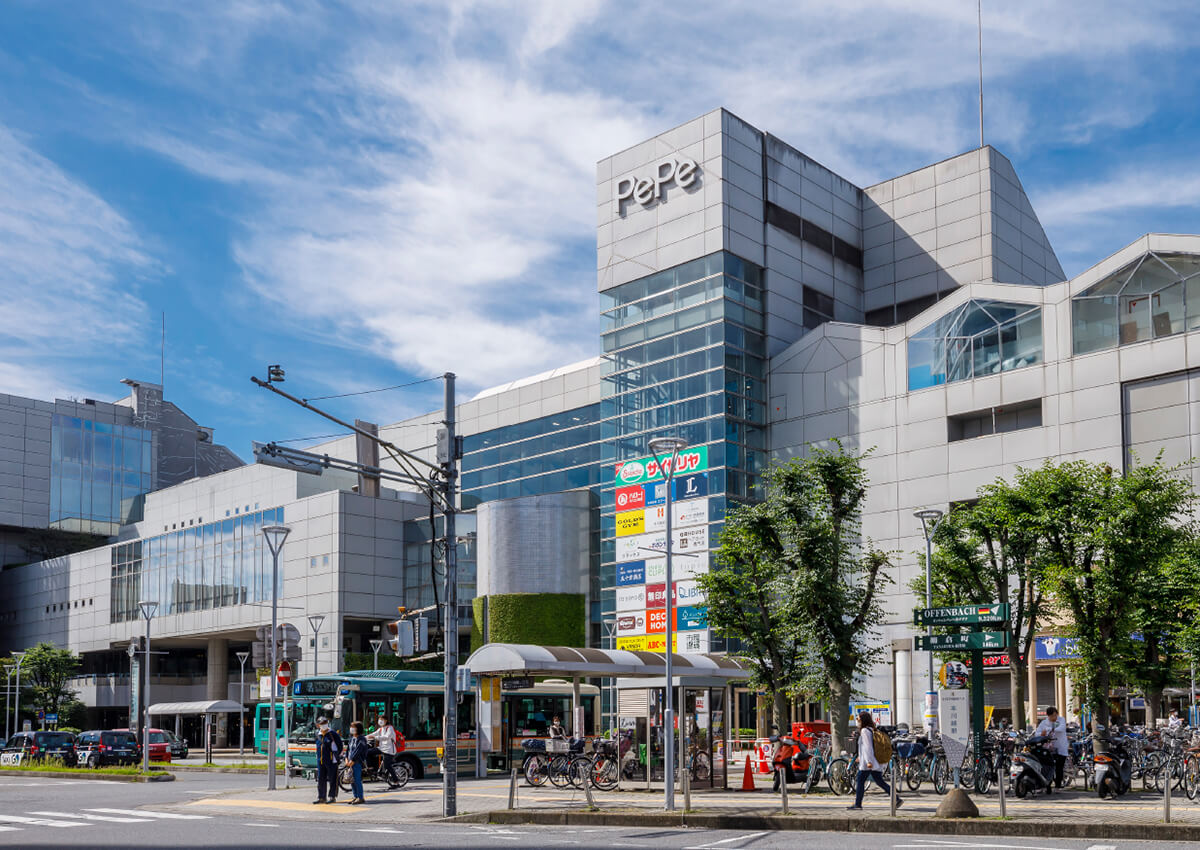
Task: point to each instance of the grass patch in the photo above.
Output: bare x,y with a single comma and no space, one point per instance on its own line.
51,767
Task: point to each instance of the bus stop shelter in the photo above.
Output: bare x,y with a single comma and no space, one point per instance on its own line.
702,683
208,708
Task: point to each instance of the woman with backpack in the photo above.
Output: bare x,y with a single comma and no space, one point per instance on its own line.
871,763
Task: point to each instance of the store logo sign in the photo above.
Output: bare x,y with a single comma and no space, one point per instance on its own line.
681,171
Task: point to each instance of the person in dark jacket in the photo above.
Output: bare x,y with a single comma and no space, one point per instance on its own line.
329,750
356,757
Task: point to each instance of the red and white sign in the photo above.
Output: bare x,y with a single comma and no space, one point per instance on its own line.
656,596
285,673
656,621
631,498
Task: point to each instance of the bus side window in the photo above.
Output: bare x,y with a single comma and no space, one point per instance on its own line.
466,718
399,716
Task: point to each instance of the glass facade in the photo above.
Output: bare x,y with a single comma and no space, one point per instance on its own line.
423,565
94,467
1156,296
213,565
684,356
977,339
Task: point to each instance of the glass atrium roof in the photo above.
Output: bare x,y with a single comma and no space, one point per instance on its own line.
982,337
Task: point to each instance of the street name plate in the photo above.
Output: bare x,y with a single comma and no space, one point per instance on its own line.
961,615
970,640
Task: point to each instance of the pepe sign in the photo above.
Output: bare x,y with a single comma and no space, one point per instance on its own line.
649,469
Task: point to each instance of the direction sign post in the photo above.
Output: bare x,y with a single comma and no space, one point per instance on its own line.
991,641
962,615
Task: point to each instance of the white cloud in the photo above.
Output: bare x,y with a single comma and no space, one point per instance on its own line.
70,267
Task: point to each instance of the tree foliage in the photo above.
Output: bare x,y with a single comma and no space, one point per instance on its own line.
46,672
799,586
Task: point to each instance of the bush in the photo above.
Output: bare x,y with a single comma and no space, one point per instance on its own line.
549,619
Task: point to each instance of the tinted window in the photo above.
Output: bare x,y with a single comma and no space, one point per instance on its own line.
54,739
161,738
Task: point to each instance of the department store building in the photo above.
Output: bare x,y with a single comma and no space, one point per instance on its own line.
754,303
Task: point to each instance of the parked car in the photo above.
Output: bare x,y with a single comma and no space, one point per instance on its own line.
101,748
179,747
24,747
160,745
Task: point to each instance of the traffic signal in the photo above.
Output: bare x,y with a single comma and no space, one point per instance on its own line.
401,637
421,634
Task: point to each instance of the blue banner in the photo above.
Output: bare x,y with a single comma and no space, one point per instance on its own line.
631,572
1050,648
690,618
692,486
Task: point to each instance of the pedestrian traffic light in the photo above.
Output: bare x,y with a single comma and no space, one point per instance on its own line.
401,637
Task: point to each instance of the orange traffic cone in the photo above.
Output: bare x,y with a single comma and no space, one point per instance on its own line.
748,777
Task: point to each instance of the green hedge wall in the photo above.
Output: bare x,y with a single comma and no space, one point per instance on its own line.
550,619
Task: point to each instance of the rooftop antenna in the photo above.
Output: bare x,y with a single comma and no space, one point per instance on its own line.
979,12
162,352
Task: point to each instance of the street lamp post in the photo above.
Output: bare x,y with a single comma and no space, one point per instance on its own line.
275,535
376,643
929,517
8,668
148,609
660,446
315,620
242,656
20,656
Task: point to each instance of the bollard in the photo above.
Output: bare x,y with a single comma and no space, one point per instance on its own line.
587,791
783,787
685,777
895,785
1167,793
1000,780
512,790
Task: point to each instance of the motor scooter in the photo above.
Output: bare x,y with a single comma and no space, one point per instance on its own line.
1114,768
1033,767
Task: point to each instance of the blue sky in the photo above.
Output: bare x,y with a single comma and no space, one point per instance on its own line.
331,186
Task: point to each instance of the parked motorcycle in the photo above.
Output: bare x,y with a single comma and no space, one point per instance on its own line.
1033,767
1114,768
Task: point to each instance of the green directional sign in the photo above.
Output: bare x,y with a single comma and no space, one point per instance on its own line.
969,640
961,615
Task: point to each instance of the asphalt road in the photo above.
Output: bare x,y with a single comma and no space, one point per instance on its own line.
48,813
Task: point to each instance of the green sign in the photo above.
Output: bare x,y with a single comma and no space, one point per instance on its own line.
969,640
961,615
648,469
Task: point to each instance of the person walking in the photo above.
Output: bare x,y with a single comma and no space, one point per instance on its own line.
329,748
1055,728
869,766
356,757
385,739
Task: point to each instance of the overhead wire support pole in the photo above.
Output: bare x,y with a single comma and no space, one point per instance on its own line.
450,630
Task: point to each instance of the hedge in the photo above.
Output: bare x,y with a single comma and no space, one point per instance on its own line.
549,619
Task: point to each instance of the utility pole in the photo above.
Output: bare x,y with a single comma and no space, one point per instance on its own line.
449,461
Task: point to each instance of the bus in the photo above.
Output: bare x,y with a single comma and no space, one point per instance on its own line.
413,701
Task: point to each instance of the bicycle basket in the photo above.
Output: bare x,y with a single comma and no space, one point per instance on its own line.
534,745
553,746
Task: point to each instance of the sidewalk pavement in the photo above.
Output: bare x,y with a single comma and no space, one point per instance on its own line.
1068,813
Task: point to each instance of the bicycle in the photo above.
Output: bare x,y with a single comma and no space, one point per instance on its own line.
573,767
605,765
373,772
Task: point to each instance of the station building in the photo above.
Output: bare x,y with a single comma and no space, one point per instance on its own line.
754,303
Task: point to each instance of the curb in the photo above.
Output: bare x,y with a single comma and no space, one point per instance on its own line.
914,826
96,777
255,771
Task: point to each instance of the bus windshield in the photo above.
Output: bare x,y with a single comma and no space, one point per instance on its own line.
304,719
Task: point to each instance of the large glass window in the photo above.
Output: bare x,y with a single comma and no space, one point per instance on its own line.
1152,297
977,339
96,470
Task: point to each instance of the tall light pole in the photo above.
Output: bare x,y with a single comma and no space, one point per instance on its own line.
375,644
20,656
148,609
660,446
315,620
275,535
929,517
8,668
242,656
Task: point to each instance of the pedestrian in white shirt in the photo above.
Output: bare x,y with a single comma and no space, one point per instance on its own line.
869,766
1174,721
1055,728
385,739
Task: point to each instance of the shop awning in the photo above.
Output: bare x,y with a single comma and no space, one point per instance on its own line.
496,659
206,707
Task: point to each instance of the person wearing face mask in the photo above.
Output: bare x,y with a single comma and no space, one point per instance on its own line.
356,757
385,737
329,748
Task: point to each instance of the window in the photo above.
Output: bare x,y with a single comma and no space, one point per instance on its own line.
995,420
1152,297
979,338
818,308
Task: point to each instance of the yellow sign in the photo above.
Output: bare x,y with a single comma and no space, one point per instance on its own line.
631,522
637,643
987,715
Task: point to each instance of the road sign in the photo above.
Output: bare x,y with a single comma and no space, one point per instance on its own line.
51,717
41,715
961,615
285,673
954,722
968,640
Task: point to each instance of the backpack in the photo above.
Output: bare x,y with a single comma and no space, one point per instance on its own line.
882,745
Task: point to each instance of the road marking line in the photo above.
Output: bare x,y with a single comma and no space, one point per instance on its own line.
109,818
266,825
141,814
726,841
37,821
388,830
10,829
934,843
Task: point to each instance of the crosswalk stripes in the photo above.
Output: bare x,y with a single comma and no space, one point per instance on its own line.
144,814
38,821
86,817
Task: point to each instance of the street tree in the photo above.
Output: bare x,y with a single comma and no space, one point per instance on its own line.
46,672
1105,535
749,593
827,580
986,553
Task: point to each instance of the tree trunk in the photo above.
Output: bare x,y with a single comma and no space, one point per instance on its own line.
1016,690
1153,706
839,714
780,719
1099,704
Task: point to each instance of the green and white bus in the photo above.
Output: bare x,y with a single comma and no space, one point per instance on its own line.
413,701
